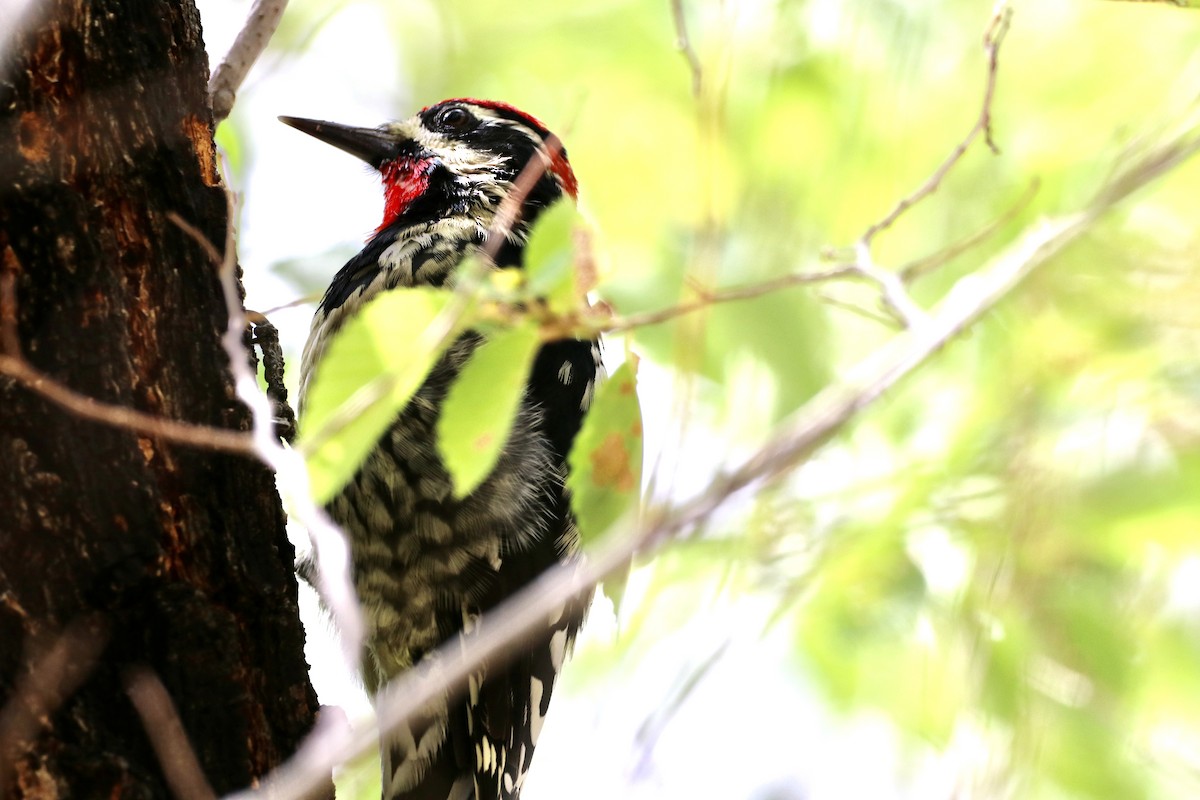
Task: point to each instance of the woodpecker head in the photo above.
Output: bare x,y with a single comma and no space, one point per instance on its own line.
457,158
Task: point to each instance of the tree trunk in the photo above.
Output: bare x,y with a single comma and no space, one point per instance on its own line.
123,554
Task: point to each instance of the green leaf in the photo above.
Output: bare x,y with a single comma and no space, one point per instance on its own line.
373,366
482,405
550,257
606,460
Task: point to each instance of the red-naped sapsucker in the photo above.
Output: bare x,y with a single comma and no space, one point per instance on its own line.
427,565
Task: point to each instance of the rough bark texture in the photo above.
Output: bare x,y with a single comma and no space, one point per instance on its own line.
153,554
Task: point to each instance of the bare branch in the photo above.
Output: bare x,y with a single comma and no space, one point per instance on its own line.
892,293
299,301
203,436
332,552
604,321
14,365
923,266
227,78
865,313
1176,3
513,204
165,731
894,296
854,271
50,678
683,43
617,324
992,39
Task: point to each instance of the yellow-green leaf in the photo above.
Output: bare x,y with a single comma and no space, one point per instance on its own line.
549,256
371,369
606,460
482,404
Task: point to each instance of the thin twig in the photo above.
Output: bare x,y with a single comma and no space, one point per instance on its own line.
748,292
886,281
992,39
333,579
652,728
299,301
604,322
865,313
50,677
165,731
923,266
202,436
893,294
14,365
683,43
227,78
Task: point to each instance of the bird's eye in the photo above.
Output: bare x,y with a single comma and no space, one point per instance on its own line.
454,119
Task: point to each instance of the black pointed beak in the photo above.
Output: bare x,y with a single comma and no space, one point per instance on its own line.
370,144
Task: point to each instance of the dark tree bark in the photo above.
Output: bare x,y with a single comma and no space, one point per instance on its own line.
127,550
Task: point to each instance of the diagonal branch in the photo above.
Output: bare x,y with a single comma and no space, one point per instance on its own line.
14,365
49,678
333,580
922,266
816,423
618,324
292,475
81,405
165,731
253,38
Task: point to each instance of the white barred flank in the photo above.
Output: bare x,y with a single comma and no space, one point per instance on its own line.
415,756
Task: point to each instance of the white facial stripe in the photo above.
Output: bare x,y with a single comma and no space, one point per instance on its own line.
471,166
408,129
457,156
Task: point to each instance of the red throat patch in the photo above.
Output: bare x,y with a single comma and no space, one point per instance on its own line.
404,180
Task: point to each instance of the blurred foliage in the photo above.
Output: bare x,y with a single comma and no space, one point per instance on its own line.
1006,550
368,372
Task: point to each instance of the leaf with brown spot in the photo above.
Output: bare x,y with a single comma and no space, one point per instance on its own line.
610,464
606,461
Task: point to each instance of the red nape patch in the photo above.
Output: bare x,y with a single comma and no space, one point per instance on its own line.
404,180
558,159
562,169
